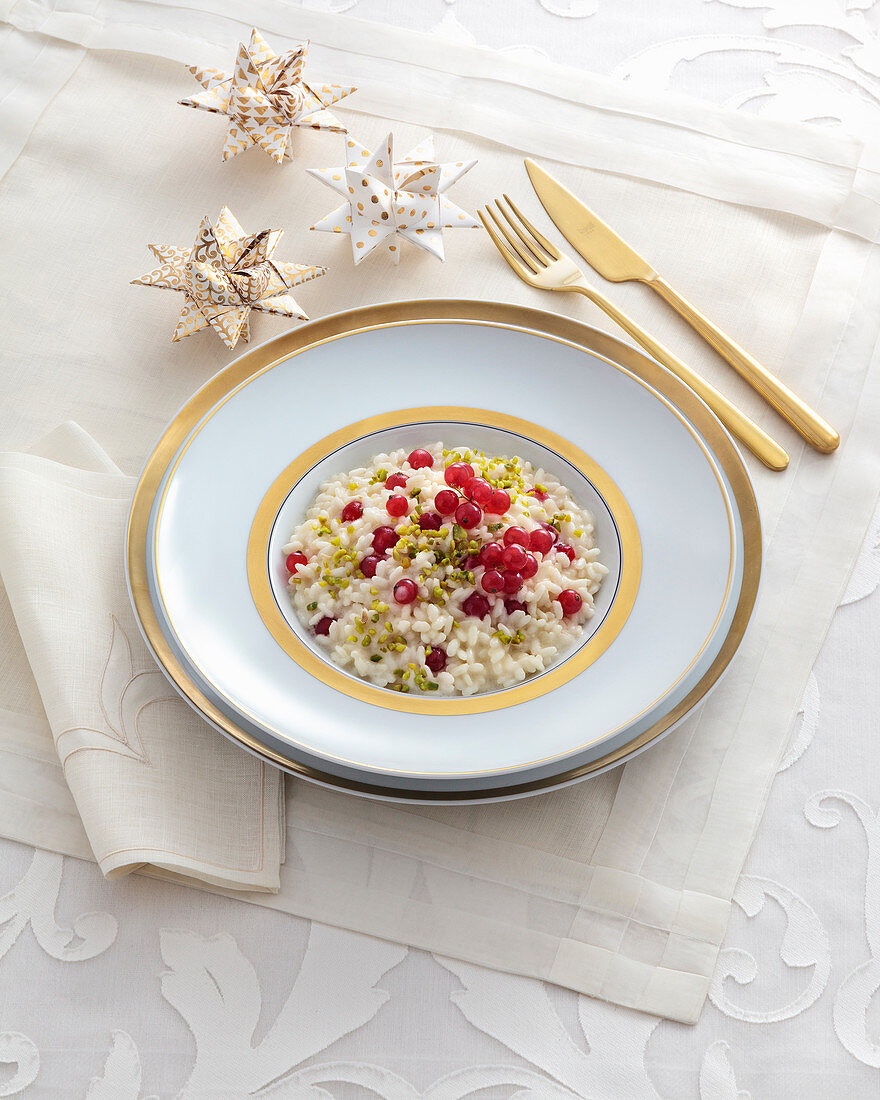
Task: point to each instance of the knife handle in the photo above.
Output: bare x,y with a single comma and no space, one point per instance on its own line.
745,430
817,431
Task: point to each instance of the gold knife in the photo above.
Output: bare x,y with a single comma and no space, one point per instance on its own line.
616,261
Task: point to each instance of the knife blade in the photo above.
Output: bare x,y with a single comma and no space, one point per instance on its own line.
597,242
618,262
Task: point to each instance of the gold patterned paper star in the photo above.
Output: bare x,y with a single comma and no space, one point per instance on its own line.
387,199
225,275
265,97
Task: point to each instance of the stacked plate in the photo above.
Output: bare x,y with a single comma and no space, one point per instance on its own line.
233,474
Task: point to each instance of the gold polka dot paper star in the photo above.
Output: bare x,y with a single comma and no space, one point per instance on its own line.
225,275
387,199
265,97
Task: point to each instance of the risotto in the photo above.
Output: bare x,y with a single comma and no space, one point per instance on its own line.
444,570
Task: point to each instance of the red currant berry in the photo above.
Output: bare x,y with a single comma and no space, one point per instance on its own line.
476,604
538,494
570,601
436,660
564,548
513,556
430,521
540,541
352,511
514,605
530,568
513,581
490,554
499,502
468,515
396,505
472,561
368,564
322,626
405,591
294,561
516,536
551,531
458,474
479,491
395,481
446,501
383,539
419,459
492,581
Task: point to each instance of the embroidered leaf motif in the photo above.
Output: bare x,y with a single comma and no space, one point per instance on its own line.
124,693
805,729
866,572
18,1050
121,1079
518,1012
215,989
33,902
717,1081
804,944
858,991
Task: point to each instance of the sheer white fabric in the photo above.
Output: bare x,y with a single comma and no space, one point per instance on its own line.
816,923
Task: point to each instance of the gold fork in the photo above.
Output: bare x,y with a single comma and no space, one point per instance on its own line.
541,264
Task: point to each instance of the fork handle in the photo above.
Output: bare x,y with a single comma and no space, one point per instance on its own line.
745,430
817,431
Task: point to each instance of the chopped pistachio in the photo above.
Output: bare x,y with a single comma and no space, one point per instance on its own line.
313,606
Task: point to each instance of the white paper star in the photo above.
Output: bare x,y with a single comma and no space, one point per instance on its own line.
265,97
385,198
226,274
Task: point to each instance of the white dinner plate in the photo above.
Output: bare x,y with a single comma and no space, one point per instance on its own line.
676,522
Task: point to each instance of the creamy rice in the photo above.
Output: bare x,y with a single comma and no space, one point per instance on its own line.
439,642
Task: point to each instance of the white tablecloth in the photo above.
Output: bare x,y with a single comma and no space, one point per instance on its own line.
142,989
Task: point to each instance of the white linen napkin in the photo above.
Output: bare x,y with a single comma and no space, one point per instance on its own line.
155,787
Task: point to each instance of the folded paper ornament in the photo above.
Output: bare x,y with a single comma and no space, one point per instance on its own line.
225,275
265,97
387,199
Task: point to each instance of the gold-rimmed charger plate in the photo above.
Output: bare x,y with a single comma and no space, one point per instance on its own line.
504,339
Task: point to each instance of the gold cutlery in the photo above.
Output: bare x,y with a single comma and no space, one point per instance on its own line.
541,264
616,261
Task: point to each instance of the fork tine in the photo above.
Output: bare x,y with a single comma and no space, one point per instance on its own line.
518,268
526,257
530,244
551,248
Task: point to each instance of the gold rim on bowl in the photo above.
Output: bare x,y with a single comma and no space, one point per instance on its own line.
670,389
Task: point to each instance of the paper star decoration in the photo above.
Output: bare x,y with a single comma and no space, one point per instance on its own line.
265,97
225,275
385,199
